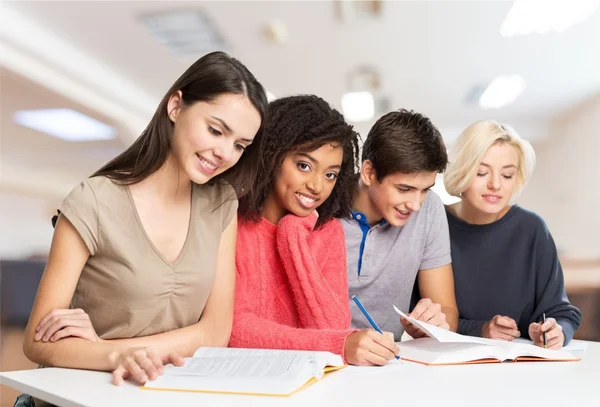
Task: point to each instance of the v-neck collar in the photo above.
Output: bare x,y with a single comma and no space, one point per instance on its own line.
181,254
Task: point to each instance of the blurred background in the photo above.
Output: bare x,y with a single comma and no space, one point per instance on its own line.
79,80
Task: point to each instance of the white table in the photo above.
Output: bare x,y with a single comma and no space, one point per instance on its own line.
541,384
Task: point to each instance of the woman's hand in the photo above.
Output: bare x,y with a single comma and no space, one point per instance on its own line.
370,348
141,364
62,323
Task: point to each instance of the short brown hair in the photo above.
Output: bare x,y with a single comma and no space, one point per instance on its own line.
407,142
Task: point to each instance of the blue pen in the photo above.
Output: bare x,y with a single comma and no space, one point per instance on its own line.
366,314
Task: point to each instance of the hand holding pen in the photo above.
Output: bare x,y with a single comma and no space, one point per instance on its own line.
370,347
547,334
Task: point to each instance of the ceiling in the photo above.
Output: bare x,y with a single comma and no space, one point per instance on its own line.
98,58
25,150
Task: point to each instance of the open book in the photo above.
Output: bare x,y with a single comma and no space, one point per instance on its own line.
247,371
444,347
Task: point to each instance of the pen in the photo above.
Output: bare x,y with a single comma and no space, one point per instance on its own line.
366,314
544,334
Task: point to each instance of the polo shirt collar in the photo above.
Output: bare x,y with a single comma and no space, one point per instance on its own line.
361,218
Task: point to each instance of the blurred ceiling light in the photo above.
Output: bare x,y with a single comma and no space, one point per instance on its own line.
270,97
502,91
38,54
185,32
358,106
65,124
276,31
542,16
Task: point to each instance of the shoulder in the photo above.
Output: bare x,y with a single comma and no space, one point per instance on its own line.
330,235
433,203
454,222
254,231
247,226
101,183
90,191
432,213
529,218
218,192
532,222
531,226
349,225
85,204
102,190
217,200
330,228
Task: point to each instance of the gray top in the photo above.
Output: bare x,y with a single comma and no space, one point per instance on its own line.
390,258
509,267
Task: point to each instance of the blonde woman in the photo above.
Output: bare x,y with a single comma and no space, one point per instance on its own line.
506,270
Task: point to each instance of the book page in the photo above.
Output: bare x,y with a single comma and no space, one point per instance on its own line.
249,371
520,349
575,346
244,366
431,351
502,350
279,361
441,335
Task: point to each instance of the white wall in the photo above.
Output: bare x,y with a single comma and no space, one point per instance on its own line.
565,188
25,227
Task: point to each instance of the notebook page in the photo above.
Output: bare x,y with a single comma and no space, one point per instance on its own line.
441,335
574,346
431,351
523,350
522,347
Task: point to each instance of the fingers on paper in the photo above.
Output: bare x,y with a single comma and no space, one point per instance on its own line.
422,306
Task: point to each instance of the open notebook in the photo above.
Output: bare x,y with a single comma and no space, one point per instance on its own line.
247,371
444,347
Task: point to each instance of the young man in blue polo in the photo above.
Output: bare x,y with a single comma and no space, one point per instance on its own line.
398,233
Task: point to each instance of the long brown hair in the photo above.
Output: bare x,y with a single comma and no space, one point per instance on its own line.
212,75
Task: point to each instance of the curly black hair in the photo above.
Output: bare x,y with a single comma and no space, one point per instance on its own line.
304,123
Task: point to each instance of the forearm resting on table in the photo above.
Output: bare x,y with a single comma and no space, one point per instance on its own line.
183,341
80,353
73,353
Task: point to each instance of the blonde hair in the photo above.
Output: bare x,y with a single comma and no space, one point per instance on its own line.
471,146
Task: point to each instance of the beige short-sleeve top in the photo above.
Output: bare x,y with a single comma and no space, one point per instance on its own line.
127,288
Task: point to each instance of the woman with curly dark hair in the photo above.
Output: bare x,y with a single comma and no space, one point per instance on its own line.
291,287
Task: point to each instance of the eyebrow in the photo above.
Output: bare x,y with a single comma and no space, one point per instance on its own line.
413,187
226,126
506,166
314,160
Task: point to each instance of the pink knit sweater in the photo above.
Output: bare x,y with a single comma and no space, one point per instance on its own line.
291,287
